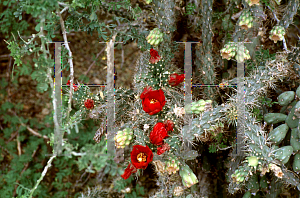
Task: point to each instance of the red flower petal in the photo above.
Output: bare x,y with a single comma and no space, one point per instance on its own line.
128,171
146,90
155,106
146,103
158,134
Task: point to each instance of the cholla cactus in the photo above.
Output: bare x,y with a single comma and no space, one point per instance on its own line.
252,2
123,138
172,165
155,37
277,33
228,51
187,176
246,20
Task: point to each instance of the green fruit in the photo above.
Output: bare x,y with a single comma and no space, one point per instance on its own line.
161,40
274,118
279,133
201,102
240,179
252,161
295,140
247,195
201,108
284,153
152,41
286,97
296,163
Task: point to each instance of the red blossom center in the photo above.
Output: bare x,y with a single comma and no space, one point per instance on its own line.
141,157
152,101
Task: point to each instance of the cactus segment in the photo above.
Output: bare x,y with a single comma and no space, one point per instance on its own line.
278,134
297,109
285,98
247,195
284,153
188,177
274,118
298,92
292,121
296,163
253,184
295,140
263,182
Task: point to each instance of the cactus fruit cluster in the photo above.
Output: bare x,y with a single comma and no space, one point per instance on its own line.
228,51
172,165
277,33
155,37
123,138
240,174
187,176
231,50
246,20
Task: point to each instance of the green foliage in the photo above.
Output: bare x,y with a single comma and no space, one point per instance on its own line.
135,192
261,56
219,143
257,111
190,8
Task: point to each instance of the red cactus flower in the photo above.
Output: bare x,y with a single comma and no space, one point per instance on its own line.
154,56
128,171
169,125
89,104
165,147
175,79
141,156
158,134
152,100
